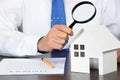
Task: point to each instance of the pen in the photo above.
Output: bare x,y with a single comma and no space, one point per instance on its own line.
47,62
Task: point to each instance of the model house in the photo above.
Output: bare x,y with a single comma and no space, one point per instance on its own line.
94,42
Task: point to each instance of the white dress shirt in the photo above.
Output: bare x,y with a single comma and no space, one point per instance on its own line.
24,22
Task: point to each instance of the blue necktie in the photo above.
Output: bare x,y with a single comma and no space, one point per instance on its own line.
58,13
58,17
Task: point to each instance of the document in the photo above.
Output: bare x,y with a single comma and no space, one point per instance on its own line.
26,66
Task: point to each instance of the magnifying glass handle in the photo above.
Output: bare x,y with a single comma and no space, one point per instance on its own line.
71,26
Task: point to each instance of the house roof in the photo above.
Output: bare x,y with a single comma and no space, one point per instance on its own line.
102,37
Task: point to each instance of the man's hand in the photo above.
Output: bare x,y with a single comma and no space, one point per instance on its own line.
118,55
55,38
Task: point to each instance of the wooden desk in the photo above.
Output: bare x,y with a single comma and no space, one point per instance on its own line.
67,76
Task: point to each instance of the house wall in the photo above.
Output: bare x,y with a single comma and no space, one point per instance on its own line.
92,48
108,63
80,65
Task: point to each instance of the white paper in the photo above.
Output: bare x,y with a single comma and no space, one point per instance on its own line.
20,66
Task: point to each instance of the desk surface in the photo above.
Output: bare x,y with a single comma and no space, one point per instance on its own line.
67,75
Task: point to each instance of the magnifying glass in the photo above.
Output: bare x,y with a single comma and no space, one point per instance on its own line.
86,12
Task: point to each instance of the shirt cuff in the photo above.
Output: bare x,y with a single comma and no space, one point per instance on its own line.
30,46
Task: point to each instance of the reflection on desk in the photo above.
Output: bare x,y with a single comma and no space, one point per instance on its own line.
94,75
67,75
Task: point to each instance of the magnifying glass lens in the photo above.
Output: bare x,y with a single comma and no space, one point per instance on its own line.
83,12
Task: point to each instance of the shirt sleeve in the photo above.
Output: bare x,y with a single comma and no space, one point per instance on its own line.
12,41
111,16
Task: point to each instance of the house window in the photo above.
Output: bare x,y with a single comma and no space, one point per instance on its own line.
76,47
82,54
79,50
76,54
82,47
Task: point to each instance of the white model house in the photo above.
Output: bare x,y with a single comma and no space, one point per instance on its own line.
94,42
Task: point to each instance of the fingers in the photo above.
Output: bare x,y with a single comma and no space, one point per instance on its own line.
55,45
64,29
59,40
58,35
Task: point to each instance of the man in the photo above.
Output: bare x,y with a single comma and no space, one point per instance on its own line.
25,25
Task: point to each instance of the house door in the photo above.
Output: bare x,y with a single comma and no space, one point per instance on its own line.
94,65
